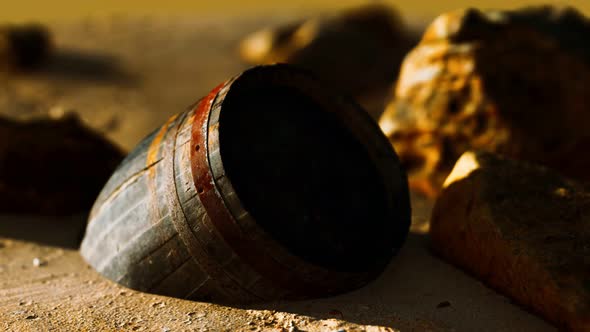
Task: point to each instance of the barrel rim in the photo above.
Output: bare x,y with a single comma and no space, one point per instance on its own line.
208,157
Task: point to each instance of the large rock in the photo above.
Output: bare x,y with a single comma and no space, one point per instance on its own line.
522,229
513,82
358,51
52,166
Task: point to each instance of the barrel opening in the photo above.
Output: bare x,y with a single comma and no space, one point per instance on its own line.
303,175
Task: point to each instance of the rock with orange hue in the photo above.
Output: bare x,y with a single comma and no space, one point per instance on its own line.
512,82
357,51
522,229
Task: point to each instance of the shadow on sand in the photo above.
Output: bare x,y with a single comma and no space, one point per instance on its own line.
71,64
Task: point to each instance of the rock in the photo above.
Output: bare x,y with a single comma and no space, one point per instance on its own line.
24,47
512,82
522,229
358,51
52,167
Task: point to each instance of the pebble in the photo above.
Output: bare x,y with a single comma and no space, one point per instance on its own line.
291,327
37,262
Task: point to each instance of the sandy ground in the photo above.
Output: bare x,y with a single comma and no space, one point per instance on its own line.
125,77
417,292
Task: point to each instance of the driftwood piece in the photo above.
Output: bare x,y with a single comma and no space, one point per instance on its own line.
512,82
522,229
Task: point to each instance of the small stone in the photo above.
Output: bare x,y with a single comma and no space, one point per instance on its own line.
509,224
32,316
37,262
56,112
291,327
443,304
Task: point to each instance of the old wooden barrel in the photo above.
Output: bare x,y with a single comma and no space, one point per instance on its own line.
268,188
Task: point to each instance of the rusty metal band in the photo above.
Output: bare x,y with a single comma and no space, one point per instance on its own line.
247,249
224,285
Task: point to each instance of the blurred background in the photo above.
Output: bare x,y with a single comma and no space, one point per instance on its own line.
18,11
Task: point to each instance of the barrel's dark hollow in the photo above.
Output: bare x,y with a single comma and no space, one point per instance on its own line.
304,177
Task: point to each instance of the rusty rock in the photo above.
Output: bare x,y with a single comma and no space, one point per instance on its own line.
24,47
358,51
52,167
513,82
521,228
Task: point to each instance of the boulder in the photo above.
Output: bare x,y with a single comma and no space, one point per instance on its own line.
522,229
511,82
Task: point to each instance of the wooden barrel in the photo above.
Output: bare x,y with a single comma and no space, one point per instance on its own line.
268,188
